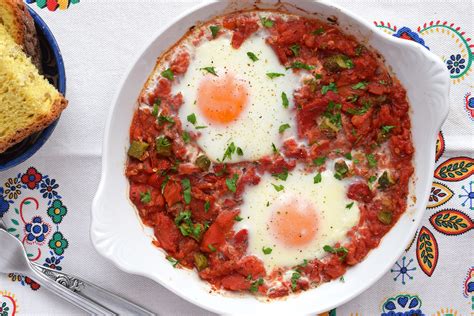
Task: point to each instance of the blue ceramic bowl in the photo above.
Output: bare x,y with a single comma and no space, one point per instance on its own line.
53,70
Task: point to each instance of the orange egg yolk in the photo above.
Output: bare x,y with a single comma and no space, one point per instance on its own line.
221,99
294,223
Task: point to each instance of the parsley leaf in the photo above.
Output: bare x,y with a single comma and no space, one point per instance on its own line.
212,248
300,65
266,250
295,49
360,85
239,151
164,183
266,22
238,218
232,183
252,56
317,178
340,250
386,129
283,127
294,278
186,185
254,286
211,70
372,179
278,188
275,150
154,112
207,206
330,87
214,30
145,198
191,118
361,110
173,261
319,31
272,75
319,161
165,119
229,151
349,206
186,138
372,161
282,175
284,100
348,156
168,74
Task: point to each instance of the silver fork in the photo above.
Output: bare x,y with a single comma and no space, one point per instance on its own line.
89,297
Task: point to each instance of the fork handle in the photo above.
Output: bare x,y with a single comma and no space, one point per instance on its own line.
94,293
91,307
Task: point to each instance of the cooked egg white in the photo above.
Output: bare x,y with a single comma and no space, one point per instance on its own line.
295,223
234,100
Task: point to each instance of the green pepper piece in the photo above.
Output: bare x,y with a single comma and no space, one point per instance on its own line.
385,181
338,62
200,261
163,146
203,162
341,169
137,149
385,217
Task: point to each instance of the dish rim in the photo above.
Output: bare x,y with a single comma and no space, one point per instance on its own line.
441,117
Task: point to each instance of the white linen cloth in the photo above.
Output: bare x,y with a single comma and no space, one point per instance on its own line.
99,41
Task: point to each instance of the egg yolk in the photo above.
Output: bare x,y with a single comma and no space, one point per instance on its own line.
294,223
221,99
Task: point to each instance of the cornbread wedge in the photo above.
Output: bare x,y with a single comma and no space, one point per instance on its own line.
15,17
28,102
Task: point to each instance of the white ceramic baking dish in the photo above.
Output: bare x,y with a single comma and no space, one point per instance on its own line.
118,234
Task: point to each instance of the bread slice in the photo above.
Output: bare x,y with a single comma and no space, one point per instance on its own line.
28,102
15,17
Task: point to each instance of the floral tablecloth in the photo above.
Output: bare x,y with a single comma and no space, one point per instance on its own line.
46,200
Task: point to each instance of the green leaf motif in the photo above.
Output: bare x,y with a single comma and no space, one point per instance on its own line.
14,221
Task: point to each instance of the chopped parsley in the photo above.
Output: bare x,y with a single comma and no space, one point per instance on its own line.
318,76
232,183
300,65
186,138
319,31
360,85
252,56
319,161
165,119
266,22
168,74
238,218
348,156
284,100
266,250
145,198
187,227
294,278
317,178
332,117
239,151
211,70
361,110
186,185
330,87
372,161
200,127
304,264
173,261
255,285
283,127
282,175
229,151
211,248
278,188
154,112
386,129
352,98
182,216
191,118
207,206
295,49
214,30
272,75
372,179
341,169
275,150
340,250
349,206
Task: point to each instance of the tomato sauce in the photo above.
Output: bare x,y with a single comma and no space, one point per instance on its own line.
351,104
